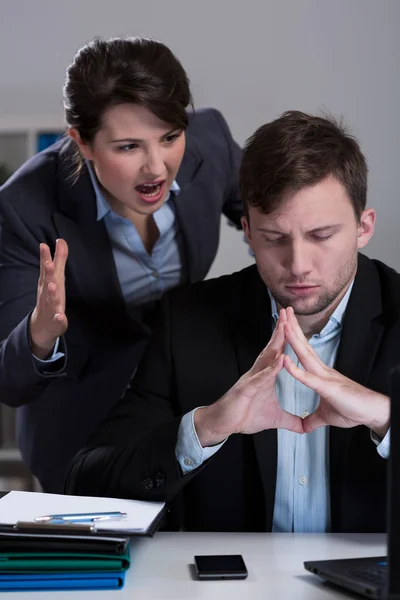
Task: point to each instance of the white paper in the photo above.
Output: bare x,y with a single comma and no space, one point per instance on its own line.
25,506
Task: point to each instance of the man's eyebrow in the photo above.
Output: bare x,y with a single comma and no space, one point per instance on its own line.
332,227
267,230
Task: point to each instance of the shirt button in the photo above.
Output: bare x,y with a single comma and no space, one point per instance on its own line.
304,413
188,462
303,480
156,274
147,484
160,479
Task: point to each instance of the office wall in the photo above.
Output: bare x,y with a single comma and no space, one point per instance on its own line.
250,59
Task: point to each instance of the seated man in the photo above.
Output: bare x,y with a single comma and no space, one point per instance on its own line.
261,402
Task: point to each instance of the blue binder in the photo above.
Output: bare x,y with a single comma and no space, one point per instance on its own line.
62,581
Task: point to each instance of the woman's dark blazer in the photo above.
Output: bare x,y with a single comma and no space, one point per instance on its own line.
43,201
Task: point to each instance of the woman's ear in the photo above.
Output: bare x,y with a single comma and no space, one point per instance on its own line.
83,147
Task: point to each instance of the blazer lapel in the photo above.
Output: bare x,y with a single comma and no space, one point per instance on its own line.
90,255
359,342
186,204
362,330
252,333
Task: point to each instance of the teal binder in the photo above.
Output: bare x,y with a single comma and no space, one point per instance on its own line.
62,570
48,562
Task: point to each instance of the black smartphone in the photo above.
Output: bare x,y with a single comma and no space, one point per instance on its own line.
220,566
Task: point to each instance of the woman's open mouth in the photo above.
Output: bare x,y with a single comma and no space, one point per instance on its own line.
151,192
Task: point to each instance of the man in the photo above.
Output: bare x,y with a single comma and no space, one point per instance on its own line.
261,402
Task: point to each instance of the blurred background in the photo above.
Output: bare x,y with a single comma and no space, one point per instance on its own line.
251,60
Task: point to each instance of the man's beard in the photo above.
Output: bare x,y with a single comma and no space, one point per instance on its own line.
323,302
326,298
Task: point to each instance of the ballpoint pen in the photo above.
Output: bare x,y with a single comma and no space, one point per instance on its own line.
81,517
55,527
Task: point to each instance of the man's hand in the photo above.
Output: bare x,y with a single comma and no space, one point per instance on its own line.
48,319
251,405
343,402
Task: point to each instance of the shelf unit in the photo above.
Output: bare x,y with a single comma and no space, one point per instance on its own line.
21,136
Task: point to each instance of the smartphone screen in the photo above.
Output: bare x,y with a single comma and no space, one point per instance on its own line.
222,566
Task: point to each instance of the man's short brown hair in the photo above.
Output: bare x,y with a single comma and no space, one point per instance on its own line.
298,150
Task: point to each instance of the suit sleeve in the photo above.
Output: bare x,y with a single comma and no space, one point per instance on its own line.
132,454
233,208
20,381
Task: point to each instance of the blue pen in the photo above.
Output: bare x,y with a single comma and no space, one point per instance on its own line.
82,517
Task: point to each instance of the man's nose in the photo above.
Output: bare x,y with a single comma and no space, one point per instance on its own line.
299,259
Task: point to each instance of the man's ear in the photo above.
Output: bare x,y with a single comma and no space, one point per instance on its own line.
83,147
246,228
366,227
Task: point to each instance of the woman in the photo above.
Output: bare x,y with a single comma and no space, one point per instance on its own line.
134,196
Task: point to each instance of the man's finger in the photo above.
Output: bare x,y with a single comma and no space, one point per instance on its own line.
276,366
292,319
311,380
290,422
277,342
304,351
60,257
312,422
262,356
294,326
293,322
283,315
278,339
272,351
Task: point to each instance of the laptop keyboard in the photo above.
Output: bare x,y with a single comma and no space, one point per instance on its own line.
375,576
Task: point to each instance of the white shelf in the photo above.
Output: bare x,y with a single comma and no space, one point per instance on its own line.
10,455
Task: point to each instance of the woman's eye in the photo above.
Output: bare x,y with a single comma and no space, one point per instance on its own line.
127,147
171,138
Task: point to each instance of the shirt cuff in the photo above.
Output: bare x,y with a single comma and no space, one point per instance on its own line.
55,356
382,446
188,451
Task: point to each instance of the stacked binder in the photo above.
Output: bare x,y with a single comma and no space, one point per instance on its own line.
44,545
57,561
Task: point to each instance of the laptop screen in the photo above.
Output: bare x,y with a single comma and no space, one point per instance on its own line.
394,489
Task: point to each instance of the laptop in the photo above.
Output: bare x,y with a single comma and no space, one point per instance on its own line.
376,577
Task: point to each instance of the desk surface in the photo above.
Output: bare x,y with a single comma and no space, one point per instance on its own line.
161,568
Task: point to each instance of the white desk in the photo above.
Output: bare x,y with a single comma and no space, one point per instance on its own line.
160,567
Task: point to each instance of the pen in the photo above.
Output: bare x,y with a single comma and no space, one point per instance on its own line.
82,517
50,527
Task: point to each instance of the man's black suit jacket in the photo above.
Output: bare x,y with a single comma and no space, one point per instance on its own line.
209,335
42,202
